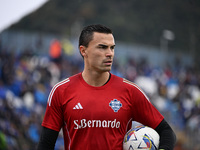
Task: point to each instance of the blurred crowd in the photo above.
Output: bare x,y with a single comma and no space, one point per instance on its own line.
27,78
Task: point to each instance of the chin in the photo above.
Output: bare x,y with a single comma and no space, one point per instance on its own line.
107,70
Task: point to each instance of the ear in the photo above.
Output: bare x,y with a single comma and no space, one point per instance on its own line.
82,50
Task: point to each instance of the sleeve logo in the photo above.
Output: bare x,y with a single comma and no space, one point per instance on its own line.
115,105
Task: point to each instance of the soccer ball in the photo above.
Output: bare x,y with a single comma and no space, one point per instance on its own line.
141,137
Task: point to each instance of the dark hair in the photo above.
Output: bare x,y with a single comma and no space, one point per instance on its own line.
87,33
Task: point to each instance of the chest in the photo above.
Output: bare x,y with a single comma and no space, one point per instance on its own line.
97,105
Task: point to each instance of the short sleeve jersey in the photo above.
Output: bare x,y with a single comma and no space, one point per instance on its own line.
97,117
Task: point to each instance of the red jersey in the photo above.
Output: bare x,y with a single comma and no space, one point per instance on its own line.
97,117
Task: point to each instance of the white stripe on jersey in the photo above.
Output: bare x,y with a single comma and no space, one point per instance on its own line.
130,120
133,84
68,135
54,88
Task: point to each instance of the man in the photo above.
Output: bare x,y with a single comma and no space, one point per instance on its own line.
95,108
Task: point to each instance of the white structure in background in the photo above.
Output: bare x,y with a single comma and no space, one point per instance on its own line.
167,36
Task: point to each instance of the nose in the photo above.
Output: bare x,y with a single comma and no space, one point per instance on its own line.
109,52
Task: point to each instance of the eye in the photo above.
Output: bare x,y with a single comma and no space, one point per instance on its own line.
103,47
112,47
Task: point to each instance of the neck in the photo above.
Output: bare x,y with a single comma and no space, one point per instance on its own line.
95,79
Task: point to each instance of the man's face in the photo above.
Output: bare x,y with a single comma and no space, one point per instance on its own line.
98,56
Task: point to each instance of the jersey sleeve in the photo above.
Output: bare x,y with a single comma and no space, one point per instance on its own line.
143,110
53,118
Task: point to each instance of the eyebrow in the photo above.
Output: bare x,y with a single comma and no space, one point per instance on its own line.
105,45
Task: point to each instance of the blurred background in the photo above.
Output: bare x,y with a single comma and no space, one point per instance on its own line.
157,47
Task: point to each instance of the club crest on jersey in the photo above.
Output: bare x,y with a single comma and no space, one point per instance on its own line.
115,105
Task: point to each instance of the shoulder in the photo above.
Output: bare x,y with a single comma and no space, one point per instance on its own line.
124,82
66,82
136,88
130,86
61,87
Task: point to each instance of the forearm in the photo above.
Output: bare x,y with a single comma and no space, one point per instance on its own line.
47,139
167,136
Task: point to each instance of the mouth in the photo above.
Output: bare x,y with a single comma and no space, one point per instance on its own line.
108,62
